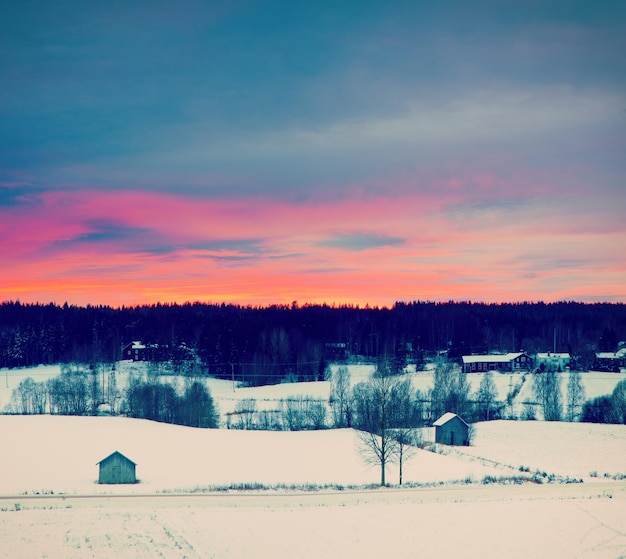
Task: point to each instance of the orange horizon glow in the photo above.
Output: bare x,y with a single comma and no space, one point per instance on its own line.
135,248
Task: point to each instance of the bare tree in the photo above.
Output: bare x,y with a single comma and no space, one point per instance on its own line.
269,420
317,413
450,392
486,396
112,395
575,395
68,394
407,441
245,410
618,398
94,387
29,397
303,413
378,407
547,390
340,398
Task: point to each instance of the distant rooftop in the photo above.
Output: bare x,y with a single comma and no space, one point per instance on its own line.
491,358
552,355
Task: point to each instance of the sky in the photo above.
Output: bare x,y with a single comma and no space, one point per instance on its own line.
265,152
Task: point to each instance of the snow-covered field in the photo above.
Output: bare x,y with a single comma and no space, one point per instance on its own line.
586,451
59,454
556,525
49,462
52,455
226,393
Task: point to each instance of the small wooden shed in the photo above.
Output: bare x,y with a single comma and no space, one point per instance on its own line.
451,429
117,468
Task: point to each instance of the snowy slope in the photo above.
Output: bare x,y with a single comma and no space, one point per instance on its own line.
55,453
576,450
226,393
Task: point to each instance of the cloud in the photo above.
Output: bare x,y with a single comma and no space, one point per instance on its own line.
549,127
246,246
17,194
100,231
361,241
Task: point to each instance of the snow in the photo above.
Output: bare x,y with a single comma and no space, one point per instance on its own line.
10,379
585,451
331,527
171,514
444,419
227,393
57,455
487,521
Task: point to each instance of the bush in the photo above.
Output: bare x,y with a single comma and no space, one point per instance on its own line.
160,402
598,410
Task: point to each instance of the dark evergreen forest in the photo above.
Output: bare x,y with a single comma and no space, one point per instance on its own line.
266,344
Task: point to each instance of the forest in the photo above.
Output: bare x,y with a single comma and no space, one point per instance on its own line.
264,345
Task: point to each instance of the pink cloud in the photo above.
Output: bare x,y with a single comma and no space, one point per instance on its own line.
132,247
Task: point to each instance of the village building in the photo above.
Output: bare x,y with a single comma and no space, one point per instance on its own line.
116,469
336,351
551,361
452,430
135,351
510,362
610,361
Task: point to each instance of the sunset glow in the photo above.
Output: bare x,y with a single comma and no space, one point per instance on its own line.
135,170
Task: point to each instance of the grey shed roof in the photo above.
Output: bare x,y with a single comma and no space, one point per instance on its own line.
113,454
445,418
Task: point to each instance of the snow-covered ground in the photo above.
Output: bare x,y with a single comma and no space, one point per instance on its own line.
55,458
53,454
10,379
586,451
59,454
444,524
226,393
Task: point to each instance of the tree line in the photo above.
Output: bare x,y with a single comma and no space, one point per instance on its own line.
79,391
264,345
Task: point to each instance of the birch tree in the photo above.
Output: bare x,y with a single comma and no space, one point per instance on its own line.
486,396
340,398
575,395
547,390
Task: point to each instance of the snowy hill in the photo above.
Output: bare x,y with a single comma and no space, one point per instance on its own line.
55,453
59,454
227,393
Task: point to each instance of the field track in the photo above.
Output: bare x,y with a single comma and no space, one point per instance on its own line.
583,520
269,498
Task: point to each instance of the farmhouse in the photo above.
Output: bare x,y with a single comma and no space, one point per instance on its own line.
116,468
451,429
552,361
135,351
610,361
510,362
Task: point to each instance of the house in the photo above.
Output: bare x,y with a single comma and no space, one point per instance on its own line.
510,362
610,361
552,361
451,429
135,351
116,468
336,351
